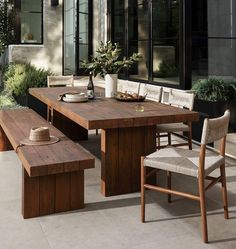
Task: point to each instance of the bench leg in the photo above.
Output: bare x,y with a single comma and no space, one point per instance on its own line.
4,142
52,193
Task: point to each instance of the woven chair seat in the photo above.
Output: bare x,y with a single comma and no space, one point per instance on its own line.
173,127
182,161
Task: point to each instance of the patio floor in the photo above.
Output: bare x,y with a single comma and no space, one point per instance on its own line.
114,222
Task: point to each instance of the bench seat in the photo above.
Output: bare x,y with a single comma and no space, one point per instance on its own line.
53,175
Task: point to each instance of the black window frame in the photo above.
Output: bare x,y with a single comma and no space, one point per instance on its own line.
78,70
185,68
83,71
18,24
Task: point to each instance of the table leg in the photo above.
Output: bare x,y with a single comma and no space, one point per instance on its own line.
4,142
71,129
121,151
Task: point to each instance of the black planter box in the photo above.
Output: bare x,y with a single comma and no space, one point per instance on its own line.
212,109
33,103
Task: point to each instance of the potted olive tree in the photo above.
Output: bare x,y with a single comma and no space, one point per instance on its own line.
213,97
108,64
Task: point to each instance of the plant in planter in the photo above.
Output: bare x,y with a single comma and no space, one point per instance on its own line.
108,64
213,97
19,77
215,89
7,102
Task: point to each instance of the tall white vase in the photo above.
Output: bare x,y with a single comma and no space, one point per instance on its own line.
110,85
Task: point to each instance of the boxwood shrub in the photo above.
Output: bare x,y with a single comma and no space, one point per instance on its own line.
215,89
19,77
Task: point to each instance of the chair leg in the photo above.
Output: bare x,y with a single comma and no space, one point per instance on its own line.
48,113
190,137
169,184
169,138
143,180
158,141
51,116
224,191
203,208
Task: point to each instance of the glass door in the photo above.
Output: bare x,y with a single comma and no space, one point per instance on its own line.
77,35
84,44
70,37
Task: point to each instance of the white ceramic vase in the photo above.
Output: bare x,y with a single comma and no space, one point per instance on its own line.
110,85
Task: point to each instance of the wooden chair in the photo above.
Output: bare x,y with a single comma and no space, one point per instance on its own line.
130,86
53,81
152,92
182,100
191,163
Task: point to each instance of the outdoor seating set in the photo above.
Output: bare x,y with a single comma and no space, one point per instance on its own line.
178,98
53,175
186,161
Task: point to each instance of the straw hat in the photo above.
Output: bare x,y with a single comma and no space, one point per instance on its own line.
39,136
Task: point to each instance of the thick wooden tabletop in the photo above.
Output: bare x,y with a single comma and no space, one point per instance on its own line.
63,156
105,113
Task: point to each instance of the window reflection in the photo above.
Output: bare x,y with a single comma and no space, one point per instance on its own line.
213,39
138,36
165,48
31,21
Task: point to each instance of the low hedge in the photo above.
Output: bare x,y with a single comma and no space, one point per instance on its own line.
19,77
215,89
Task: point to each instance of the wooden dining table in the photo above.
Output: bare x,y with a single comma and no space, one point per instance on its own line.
126,134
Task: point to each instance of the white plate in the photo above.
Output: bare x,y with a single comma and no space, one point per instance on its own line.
75,100
72,96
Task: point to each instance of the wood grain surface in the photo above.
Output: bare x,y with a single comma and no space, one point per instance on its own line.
107,113
53,175
60,157
126,134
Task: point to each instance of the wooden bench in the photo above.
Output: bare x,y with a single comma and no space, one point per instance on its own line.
53,175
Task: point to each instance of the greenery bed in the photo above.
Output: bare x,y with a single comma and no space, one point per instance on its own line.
19,77
215,89
7,102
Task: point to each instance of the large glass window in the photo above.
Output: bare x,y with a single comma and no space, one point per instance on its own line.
138,36
213,38
31,17
152,29
165,42
84,24
77,34
118,22
69,37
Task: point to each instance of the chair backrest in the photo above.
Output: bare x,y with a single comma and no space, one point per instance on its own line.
130,86
215,128
62,80
181,99
153,92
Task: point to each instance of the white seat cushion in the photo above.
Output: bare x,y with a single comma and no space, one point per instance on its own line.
182,161
173,127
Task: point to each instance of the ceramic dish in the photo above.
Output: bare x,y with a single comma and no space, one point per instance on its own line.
75,95
75,100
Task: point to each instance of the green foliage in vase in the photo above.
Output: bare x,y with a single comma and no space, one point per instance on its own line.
19,77
107,60
215,89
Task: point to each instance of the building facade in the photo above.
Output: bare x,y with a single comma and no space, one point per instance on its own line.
180,40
